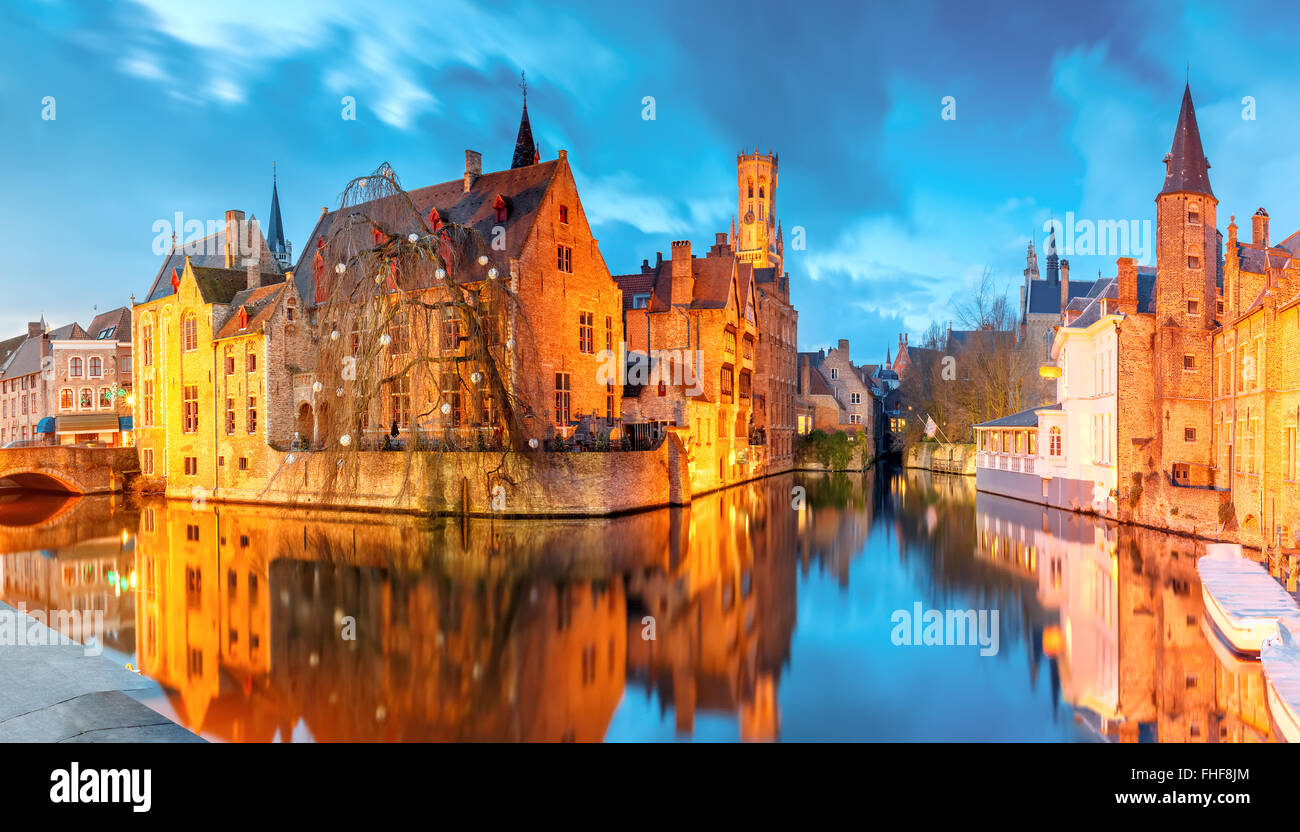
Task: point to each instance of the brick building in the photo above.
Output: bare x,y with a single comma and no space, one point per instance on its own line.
696,317
557,337
68,385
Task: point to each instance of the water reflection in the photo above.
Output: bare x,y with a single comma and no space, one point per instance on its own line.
758,613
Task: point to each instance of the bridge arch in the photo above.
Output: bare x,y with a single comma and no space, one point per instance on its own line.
33,479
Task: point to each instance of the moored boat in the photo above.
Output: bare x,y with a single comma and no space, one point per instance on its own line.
1280,657
1241,599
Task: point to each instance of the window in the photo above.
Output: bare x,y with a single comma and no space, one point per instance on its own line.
1033,443
562,399
399,334
400,402
252,414
1182,473
728,377
1189,362
729,342
451,331
855,398
835,373
230,416
1219,307
1054,442
251,362
855,418
190,409
86,399
243,463
191,466
451,394
640,301
146,460
65,398
74,367
96,367
564,258
1193,262
586,324
190,333
147,396
147,340
105,398
230,365
1189,434
564,214
291,310
1289,452
1194,215
1193,307
609,334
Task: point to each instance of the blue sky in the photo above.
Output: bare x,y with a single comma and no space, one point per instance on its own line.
176,106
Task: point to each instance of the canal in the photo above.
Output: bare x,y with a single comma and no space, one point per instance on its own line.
795,608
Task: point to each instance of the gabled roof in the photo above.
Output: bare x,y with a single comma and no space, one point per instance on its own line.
1253,258
114,324
635,284
222,285
1187,170
208,252
1045,295
523,189
8,347
713,283
259,303
26,358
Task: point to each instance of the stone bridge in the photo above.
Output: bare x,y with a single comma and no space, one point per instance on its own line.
67,468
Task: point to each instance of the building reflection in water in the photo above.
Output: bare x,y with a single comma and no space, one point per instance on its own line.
267,624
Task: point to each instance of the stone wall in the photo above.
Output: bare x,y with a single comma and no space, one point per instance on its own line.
936,456
539,483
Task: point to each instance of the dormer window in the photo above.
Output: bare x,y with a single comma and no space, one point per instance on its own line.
243,318
499,206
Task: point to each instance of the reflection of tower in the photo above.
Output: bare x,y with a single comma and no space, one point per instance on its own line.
757,240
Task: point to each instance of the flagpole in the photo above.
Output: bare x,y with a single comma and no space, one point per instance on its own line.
936,427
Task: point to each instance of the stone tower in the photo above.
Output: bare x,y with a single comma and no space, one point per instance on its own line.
1185,299
757,240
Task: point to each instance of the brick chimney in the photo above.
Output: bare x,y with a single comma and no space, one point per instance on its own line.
234,231
254,272
1128,286
805,375
34,329
1065,285
473,168
683,289
843,347
1259,228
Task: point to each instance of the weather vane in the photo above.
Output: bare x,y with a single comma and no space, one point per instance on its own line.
523,85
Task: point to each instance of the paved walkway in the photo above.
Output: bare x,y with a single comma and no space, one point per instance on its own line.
57,693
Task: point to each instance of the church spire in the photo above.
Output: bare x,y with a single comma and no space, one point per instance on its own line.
526,152
280,249
1186,168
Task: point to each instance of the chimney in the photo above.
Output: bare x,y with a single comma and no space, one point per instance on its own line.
683,288
1065,285
645,266
844,347
473,168
805,375
234,231
34,329
1259,228
1128,287
254,272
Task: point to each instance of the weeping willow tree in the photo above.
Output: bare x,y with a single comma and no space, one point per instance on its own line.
413,337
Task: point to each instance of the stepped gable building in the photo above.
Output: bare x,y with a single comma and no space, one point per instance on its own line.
569,309
698,323
214,339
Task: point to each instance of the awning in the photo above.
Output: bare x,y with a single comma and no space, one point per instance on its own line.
87,423
45,425
125,424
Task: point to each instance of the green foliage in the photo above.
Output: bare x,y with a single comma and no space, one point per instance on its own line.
833,451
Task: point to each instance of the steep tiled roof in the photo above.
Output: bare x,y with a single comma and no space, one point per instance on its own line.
1187,169
221,285
1023,419
712,283
114,324
8,347
634,284
522,189
260,305
208,252
1045,295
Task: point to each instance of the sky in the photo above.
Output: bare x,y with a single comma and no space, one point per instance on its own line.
164,107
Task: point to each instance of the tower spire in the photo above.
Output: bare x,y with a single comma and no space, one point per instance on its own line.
526,152
280,249
1186,168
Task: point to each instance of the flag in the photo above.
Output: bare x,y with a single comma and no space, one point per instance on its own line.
930,427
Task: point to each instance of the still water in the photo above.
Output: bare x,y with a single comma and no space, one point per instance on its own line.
768,611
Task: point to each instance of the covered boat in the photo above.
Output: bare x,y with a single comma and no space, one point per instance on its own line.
1241,599
1280,657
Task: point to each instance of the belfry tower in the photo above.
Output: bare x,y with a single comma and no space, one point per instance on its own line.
758,240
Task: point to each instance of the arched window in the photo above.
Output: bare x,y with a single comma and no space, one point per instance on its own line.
96,366
65,398
189,333
761,191
1054,441
87,398
751,189
74,367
